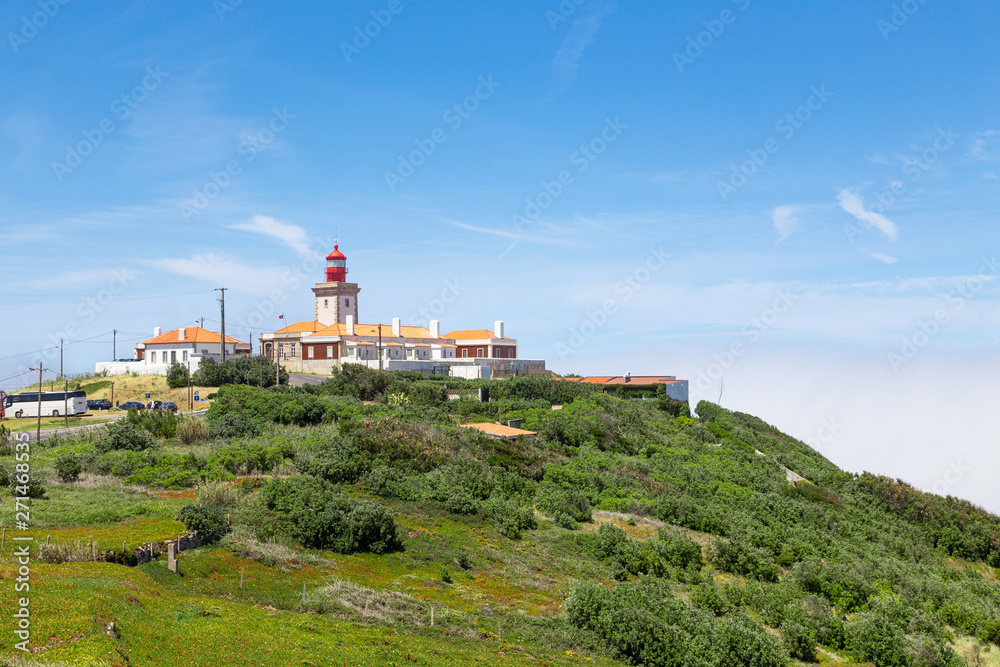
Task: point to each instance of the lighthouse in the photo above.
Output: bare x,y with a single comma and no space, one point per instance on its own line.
336,298
336,266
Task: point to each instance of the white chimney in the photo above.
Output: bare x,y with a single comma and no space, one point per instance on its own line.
157,331
395,327
350,325
182,333
435,329
498,328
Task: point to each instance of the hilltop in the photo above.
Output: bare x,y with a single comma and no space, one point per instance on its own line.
356,522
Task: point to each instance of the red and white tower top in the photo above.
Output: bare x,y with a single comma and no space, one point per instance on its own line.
336,266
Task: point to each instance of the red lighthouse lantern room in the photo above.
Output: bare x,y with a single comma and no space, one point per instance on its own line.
336,266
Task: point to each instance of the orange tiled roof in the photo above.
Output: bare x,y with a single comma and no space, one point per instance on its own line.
473,334
634,379
301,327
372,330
499,430
191,335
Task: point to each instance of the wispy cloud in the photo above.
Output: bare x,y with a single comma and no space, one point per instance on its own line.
786,220
291,235
223,272
582,34
852,203
882,257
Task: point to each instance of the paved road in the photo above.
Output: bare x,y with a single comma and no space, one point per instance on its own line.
50,432
302,380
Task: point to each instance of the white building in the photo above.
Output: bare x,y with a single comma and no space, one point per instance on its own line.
335,337
186,346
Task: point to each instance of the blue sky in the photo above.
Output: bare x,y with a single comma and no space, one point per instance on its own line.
792,204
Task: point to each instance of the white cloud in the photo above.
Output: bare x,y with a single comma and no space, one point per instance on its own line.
852,203
224,272
786,220
291,235
567,61
882,257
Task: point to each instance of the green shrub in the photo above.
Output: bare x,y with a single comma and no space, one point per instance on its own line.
462,502
509,518
613,539
320,517
23,484
706,596
68,467
234,425
358,381
873,638
248,458
389,483
737,556
552,499
124,435
177,376
800,640
743,641
564,520
209,521
340,462
446,575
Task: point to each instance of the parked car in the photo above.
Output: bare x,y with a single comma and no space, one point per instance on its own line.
154,405
169,405
99,404
132,405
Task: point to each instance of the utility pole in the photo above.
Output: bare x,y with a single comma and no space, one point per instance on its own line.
114,345
60,357
203,323
38,432
380,347
222,300
66,402
190,396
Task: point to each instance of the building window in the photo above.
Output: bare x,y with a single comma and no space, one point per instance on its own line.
326,303
291,354
511,353
204,351
152,357
496,352
351,351
479,352
329,351
347,302
185,355
311,352
465,354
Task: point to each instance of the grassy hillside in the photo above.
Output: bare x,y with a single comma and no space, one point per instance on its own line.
361,525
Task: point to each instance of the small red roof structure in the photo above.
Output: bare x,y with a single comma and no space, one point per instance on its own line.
500,431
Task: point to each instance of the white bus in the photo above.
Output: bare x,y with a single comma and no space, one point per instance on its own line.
54,404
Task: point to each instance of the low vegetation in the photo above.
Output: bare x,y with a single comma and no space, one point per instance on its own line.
357,526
